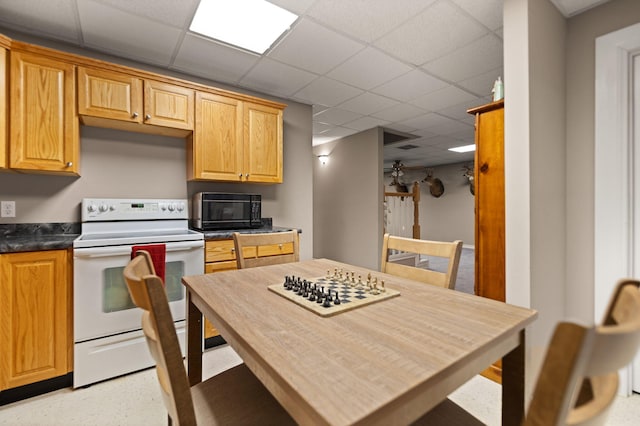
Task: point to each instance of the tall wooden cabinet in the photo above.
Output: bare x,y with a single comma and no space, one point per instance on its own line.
4,102
35,301
44,135
490,208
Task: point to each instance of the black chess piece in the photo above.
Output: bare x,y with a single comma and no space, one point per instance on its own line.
337,300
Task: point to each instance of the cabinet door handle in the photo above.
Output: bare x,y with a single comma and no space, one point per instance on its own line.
134,115
147,117
240,175
69,163
247,175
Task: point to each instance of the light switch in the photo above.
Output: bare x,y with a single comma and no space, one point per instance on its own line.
7,208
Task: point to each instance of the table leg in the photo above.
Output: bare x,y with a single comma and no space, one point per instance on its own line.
194,342
513,375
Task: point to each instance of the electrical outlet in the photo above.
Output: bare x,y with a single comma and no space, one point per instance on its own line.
7,209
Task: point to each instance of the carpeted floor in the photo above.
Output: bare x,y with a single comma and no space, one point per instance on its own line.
464,282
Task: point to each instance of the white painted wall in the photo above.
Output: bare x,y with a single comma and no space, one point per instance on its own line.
347,199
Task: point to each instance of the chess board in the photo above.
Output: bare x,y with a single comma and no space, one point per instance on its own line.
351,295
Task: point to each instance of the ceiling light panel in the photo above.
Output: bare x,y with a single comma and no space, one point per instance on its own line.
249,24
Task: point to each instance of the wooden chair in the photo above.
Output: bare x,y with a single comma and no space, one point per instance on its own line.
232,397
578,381
266,249
447,250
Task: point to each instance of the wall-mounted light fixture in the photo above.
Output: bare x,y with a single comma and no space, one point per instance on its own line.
324,159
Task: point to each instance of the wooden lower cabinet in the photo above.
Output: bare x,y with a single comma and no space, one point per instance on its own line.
220,255
35,317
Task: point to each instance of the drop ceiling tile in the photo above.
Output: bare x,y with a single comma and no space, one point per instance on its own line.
368,68
488,12
269,76
449,127
443,98
318,108
364,19
445,27
48,18
368,103
336,116
409,86
175,13
205,58
482,84
459,111
335,133
365,123
402,128
314,48
296,6
319,128
326,91
478,57
114,31
427,121
399,112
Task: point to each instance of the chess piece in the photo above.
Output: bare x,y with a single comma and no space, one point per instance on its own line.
382,284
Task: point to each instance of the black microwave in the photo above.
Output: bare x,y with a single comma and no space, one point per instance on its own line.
217,210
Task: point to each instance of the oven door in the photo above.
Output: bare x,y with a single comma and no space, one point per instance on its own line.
102,306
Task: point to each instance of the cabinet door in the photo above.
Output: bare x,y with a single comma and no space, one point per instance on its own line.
35,317
109,94
262,143
490,204
44,127
168,105
216,151
3,109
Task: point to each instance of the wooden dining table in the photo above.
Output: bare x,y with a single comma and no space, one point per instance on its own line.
387,362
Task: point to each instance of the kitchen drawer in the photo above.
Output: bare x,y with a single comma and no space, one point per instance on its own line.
225,265
274,249
221,250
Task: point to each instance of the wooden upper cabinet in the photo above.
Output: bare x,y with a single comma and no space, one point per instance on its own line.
216,148
4,147
35,312
168,105
44,135
114,99
235,141
109,94
262,143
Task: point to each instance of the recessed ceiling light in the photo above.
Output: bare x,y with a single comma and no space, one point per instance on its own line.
465,148
250,24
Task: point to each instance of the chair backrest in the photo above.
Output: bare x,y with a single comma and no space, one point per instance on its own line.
266,248
148,293
448,250
578,381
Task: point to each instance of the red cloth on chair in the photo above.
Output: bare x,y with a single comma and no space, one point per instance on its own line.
157,252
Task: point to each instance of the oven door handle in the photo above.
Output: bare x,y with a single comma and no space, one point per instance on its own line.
126,250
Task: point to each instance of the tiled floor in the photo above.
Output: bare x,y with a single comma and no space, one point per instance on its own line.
135,400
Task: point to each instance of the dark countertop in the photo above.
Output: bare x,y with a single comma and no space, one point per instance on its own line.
227,234
37,236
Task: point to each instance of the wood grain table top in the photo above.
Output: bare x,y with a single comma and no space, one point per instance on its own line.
384,363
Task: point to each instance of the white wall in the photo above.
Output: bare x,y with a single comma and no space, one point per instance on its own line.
534,145
347,199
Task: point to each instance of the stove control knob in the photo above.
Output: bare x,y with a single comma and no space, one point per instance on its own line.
91,208
103,208
112,208
163,206
180,207
172,206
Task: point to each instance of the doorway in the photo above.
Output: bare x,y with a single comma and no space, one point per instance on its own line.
617,172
